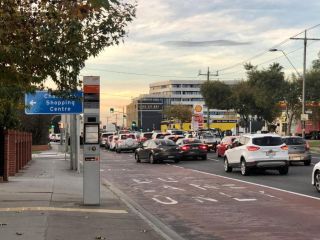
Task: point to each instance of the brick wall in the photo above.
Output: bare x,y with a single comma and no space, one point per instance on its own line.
18,152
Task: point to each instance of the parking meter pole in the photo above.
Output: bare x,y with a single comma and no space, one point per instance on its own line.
71,142
91,147
77,143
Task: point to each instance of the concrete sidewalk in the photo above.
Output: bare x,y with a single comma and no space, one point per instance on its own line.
44,201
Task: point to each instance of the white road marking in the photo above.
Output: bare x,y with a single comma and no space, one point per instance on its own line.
173,188
212,159
245,199
169,202
210,186
168,180
228,185
201,198
256,184
224,194
141,181
197,186
268,195
149,191
237,187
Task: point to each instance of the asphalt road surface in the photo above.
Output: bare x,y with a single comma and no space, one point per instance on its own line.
198,200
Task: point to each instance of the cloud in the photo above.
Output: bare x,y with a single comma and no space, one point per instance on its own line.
204,43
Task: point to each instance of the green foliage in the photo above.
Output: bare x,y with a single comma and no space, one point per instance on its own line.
44,40
216,94
243,100
182,113
268,85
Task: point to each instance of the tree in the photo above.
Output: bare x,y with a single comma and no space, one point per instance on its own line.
51,40
182,113
267,84
243,101
292,99
216,95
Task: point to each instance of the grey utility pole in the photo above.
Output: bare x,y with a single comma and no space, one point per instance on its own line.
208,74
305,40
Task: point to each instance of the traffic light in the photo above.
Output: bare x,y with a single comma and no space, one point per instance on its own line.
111,110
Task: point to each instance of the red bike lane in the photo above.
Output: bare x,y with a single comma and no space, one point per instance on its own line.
199,205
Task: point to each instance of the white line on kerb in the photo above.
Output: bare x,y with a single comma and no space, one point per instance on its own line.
255,184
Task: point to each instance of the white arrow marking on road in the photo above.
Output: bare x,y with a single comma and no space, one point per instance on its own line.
32,103
170,202
173,188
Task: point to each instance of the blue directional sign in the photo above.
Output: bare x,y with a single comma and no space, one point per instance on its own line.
42,102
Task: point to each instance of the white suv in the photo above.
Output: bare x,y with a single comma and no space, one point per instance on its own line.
316,176
126,142
266,151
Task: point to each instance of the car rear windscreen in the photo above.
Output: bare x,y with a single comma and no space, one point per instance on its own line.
267,141
148,135
294,141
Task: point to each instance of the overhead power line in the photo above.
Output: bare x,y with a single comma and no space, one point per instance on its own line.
266,51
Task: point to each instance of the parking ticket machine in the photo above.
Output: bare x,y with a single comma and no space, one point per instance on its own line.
91,146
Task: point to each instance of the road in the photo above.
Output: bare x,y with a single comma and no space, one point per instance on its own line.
198,200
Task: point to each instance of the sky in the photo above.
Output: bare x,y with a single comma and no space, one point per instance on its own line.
175,39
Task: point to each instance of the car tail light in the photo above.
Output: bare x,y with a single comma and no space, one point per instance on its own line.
252,148
285,147
185,148
203,147
307,146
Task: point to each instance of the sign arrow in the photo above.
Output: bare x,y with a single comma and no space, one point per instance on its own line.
32,103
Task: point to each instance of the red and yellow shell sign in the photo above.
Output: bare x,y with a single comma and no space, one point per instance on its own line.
198,109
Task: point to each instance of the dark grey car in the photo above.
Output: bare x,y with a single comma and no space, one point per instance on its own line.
298,149
157,150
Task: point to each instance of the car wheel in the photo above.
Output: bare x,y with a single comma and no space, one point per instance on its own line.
177,160
307,163
204,157
284,170
136,156
317,181
227,167
151,159
244,169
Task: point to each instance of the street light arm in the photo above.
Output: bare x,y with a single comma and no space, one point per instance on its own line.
279,50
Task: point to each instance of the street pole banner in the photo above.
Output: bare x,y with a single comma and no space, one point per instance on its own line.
42,102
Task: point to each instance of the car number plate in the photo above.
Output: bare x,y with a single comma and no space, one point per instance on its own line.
194,148
295,158
270,153
170,156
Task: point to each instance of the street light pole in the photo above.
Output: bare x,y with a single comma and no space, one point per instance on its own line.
303,77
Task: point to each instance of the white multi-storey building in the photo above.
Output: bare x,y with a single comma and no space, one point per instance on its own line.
171,92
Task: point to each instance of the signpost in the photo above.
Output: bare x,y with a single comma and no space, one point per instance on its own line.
91,149
42,102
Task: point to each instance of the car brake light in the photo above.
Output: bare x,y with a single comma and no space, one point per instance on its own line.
252,148
307,146
185,148
285,147
203,147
